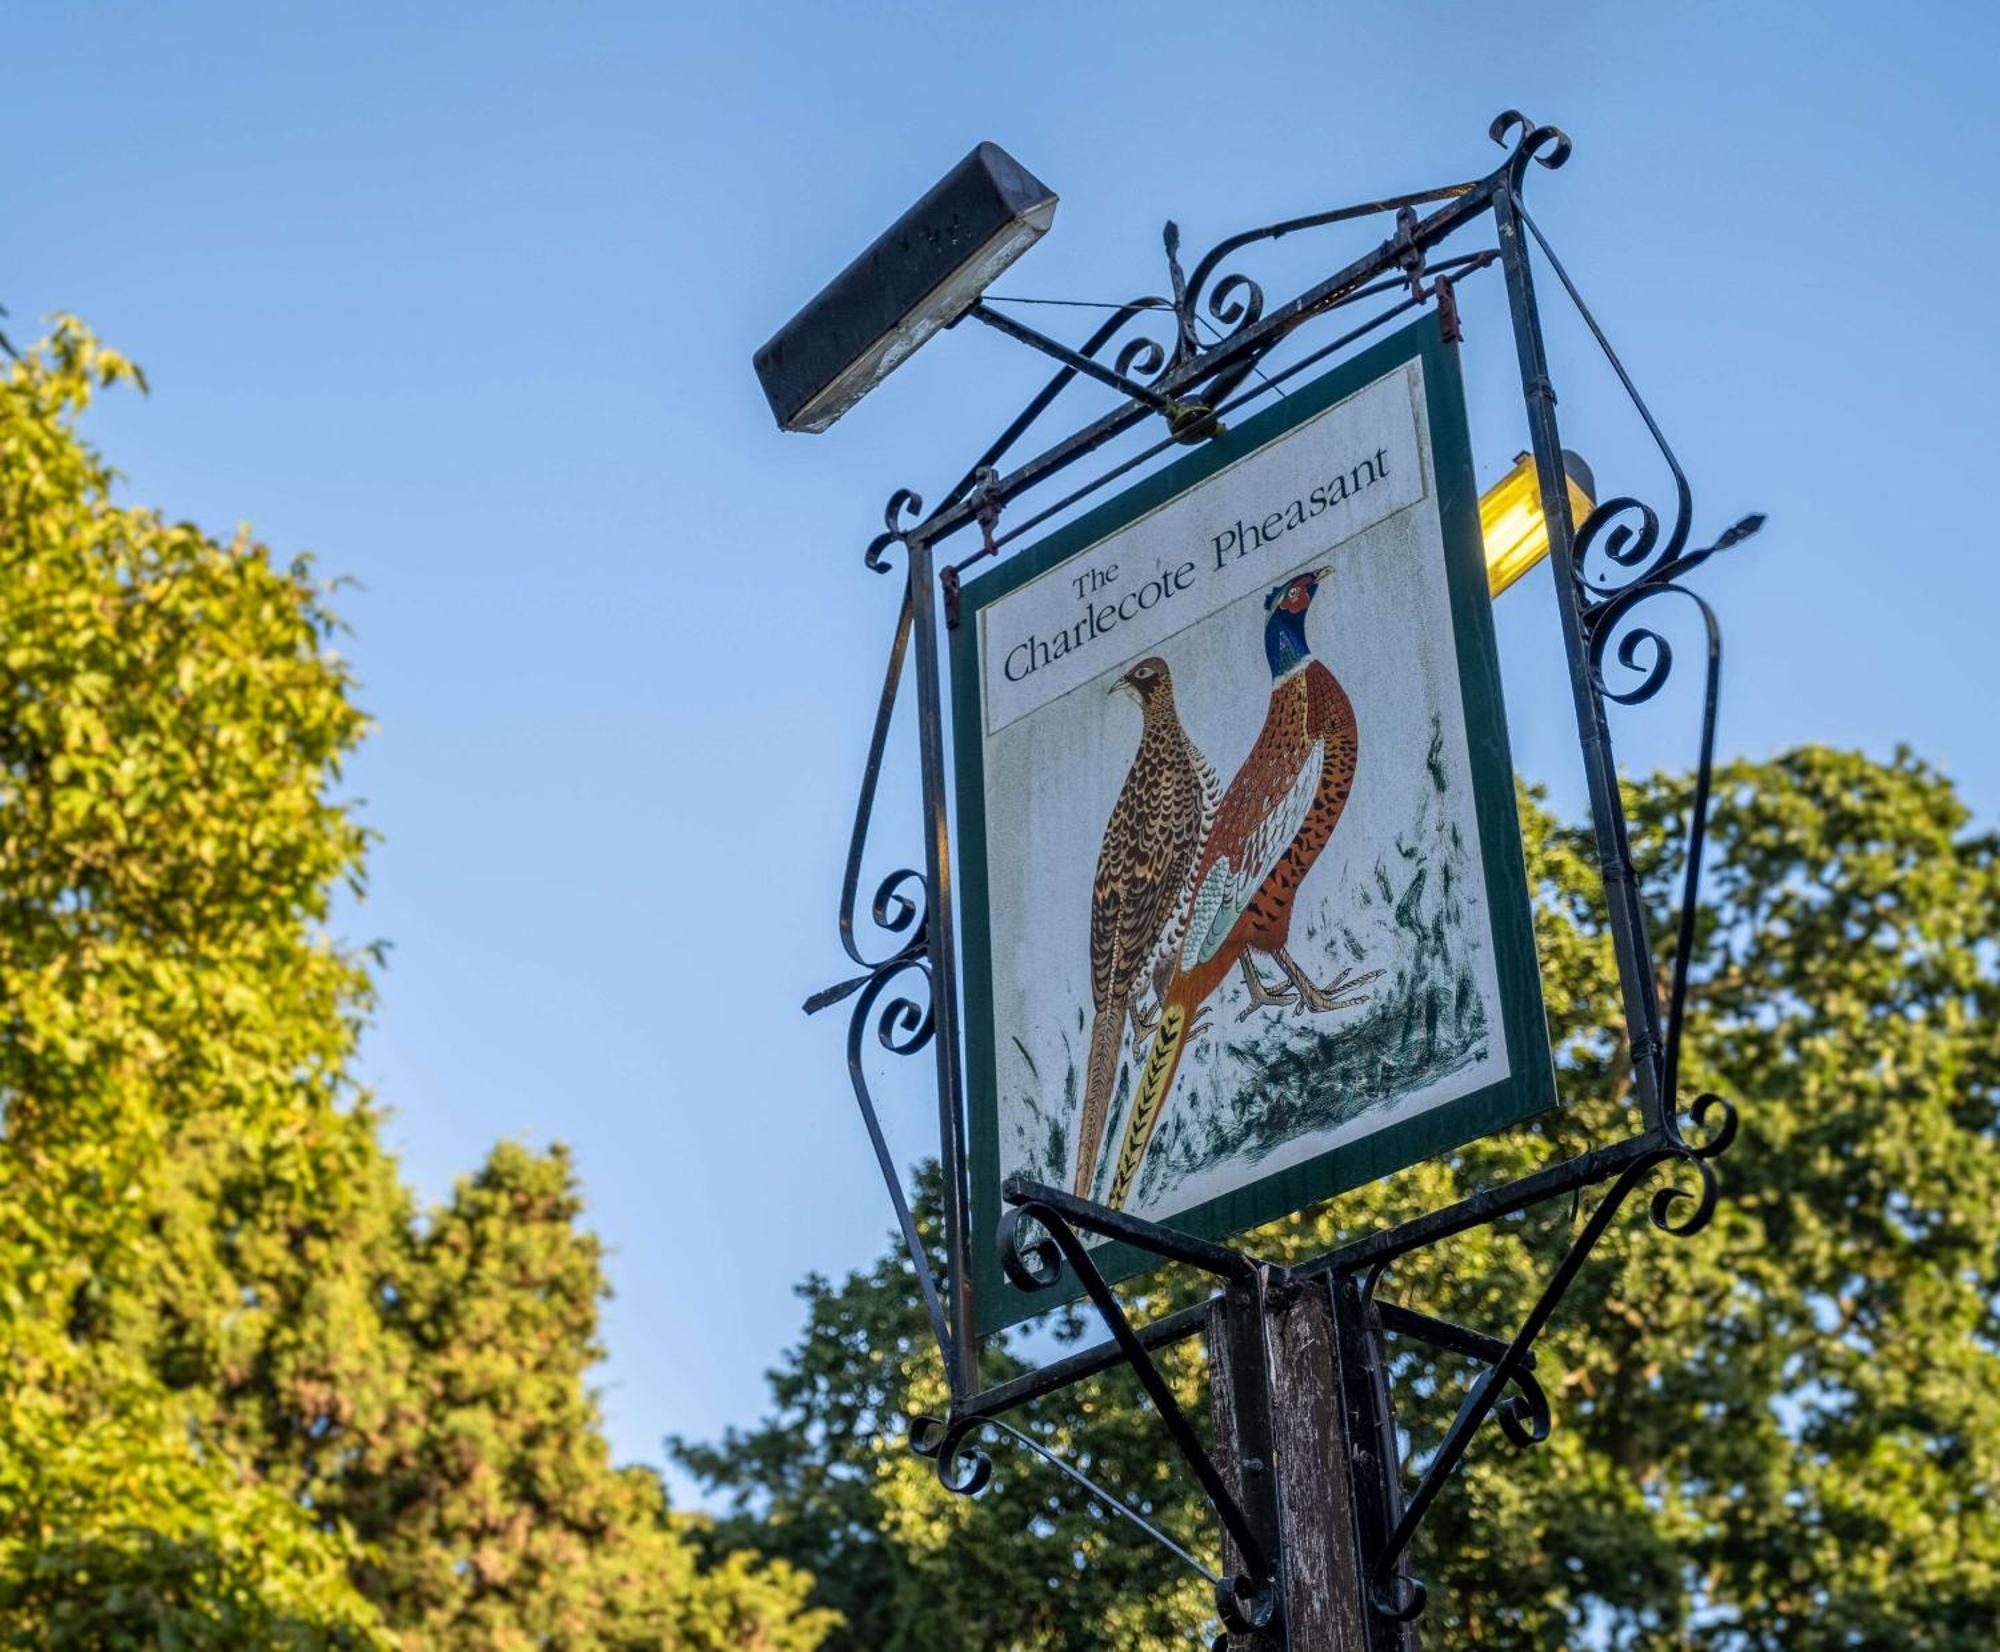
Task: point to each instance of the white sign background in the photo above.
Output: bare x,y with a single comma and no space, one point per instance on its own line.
1058,744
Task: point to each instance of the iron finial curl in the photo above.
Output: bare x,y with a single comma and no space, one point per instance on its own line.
1245,1605
1524,1415
1547,146
1400,1598
903,502
1030,1264
961,1468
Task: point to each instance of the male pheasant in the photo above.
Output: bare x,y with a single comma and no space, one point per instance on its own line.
1139,901
1269,829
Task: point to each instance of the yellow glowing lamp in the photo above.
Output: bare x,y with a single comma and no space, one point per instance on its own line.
1511,521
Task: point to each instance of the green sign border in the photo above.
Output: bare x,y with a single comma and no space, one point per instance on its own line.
1530,1086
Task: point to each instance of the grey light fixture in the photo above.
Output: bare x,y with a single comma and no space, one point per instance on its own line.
919,277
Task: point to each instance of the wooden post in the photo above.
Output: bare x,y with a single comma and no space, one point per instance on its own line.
1312,1456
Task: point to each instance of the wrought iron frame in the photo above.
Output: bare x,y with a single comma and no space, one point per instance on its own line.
1606,569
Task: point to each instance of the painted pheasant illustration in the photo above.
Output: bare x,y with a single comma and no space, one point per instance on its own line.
1140,900
1270,827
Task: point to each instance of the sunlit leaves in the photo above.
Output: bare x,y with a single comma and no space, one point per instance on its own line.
1779,1435
248,1399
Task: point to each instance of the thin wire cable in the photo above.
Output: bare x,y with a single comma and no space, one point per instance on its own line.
1610,355
1464,265
1270,383
1115,1504
1082,303
1221,338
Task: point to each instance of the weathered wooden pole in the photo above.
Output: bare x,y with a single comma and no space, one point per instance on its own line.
1303,1429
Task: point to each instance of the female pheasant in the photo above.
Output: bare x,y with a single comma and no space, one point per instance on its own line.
1139,901
1269,829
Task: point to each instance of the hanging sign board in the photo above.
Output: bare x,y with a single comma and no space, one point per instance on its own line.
1246,916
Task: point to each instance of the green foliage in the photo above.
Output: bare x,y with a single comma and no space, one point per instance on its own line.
119,1536
913,1569
1779,1435
498,1521
248,1398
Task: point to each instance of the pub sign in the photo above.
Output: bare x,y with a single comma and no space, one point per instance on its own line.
1246,917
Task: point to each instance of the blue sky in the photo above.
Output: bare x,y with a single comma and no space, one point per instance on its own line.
462,299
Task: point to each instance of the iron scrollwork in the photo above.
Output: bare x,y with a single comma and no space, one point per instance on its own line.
1618,562
1636,567
1524,1417
1244,1601
1546,146
961,1468
1647,656
903,1025
1188,377
1218,329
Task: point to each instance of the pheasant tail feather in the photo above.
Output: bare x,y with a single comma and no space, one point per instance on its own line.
1107,1031
1149,1096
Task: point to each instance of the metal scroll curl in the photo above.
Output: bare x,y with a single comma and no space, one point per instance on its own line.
962,1468
1392,1592
903,502
901,1021
1547,146
1030,1263
1645,657
1663,1208
1714,1119
1524,1415
1035,1243
1633,549
905,1025
1142,358
1235,303
1718,1137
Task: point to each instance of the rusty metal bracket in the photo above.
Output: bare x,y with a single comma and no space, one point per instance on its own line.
986,503
1409,251
1447,303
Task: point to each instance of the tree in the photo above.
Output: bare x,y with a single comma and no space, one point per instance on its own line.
913,1569
249,1398
1779,1435
497,1518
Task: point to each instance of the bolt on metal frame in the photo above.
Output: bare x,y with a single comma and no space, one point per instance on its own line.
1192,387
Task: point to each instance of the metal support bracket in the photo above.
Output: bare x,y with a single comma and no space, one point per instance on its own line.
1372,1454
1617,560
1173,411
1524,1416
1244,1601
1450,329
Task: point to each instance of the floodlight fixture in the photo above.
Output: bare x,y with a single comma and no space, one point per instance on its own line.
1511,523
919,277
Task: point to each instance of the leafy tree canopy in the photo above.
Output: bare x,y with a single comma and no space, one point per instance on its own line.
1779,1435
249,1398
